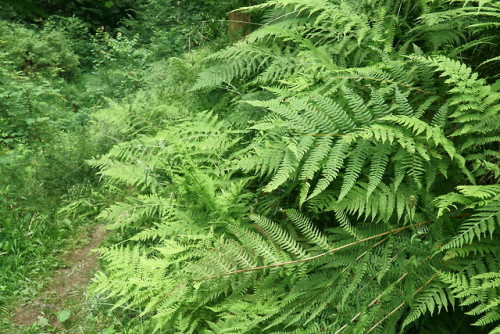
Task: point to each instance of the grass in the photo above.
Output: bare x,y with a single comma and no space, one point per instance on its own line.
41,292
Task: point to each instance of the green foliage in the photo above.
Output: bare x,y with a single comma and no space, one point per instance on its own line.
44,143
78,35
335,171
48,52
322,198
94,13
34,66
173,27
464,28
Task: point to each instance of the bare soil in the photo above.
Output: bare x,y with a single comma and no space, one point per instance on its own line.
67,283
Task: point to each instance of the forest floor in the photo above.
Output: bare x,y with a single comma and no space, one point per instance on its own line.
63,305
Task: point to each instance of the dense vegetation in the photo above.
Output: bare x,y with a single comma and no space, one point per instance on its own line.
334,171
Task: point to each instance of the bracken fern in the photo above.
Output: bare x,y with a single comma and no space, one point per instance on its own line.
349,185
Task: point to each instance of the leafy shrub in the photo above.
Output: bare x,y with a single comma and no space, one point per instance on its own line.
22,119
43,147
48,52
170,28
78,35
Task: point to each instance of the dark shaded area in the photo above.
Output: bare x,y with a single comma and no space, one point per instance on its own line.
94,13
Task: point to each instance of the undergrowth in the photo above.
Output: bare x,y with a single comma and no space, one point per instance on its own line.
334,171
343,181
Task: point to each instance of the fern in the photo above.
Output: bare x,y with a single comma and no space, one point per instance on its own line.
348,186
482,223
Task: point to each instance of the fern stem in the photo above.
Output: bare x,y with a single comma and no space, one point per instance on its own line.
394,231
320,134
389,82
402,304
402,277
345,325
363,254
233,21
397,281
386,316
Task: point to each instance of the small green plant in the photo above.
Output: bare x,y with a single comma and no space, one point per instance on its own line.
63,315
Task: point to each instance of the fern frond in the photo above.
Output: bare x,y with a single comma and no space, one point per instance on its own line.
481,224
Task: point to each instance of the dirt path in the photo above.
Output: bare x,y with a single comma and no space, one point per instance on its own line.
67,283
